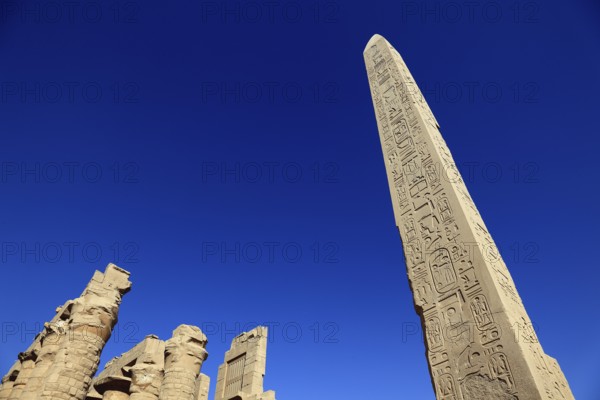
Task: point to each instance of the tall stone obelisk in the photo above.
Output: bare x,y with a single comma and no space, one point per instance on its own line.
479,339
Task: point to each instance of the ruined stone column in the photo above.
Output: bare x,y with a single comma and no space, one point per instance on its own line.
202,387
47,347
93,394
242,373
7,385
93,316
146,380
185,352
114,387
27,360
148,372
138,372
115,395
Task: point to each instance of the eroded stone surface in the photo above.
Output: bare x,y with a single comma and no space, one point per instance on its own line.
155,369
202,387
479,339
148,371
242,374
185,354
481,387
63,358
92,318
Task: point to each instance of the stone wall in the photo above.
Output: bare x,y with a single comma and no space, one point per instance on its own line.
242,374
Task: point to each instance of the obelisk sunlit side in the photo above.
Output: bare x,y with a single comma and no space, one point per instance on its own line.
479,339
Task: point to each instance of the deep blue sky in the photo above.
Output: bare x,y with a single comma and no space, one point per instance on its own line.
161,98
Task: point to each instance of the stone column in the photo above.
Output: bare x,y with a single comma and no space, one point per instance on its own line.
146,380
27,365
185,352
93,316
202,387
48,347
148,372
93,394
115,395
114,387
7,386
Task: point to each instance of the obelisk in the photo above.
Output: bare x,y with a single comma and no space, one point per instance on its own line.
479,340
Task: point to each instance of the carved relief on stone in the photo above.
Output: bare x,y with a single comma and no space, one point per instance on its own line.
446,388
442,270
242,373
460,284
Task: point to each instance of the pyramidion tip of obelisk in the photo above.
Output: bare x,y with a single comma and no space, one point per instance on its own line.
374,39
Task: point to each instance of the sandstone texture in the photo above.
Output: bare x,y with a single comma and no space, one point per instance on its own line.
241,376
62,361
479,339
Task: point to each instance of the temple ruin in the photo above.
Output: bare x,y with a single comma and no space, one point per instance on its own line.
241,374
63,359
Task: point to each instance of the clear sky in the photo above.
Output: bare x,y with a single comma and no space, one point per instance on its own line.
226,153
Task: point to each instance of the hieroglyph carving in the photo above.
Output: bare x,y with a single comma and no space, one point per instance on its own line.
465,297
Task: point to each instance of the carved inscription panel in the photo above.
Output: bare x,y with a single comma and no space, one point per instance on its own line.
459,293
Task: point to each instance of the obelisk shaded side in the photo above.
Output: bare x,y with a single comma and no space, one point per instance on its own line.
479,339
